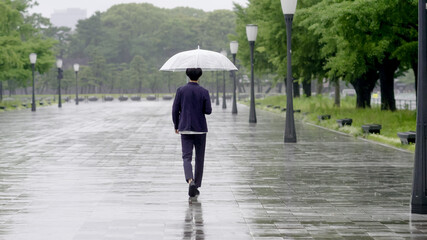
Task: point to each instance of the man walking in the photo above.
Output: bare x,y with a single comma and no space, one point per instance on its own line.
191,104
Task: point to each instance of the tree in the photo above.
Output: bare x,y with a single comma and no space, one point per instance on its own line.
144,37
271,43
88,38
20,35
247,16
138,71
361,37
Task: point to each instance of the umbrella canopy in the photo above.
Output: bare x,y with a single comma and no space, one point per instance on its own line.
198,58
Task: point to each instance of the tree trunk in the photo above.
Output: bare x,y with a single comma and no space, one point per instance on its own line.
140,87
337,101
386,71
1,91
169,83
269,89
112,86
319,87
296,89
279,87
239,87
364,86
242,86
10,87
306,86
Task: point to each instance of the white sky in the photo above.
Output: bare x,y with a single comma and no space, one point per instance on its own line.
47,7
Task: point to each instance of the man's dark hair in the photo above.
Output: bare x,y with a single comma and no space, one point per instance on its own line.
194,73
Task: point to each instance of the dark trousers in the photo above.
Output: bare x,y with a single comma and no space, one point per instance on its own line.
198,141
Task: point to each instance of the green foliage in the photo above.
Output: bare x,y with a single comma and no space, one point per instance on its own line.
138,70
136,39
245,16
270,55
337,39
311,108
20,35
155,34
358,34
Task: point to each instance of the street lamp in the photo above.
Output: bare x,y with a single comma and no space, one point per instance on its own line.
59,66
224,104
251,33
234,46
288,7
76,69
217,90
33,59
419,184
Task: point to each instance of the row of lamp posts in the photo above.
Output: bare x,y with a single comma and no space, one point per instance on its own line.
288,8
419,185
224,104
234,46
33,60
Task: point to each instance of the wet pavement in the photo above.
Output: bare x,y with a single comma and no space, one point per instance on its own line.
114,171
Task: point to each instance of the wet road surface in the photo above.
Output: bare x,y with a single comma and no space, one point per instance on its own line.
114,171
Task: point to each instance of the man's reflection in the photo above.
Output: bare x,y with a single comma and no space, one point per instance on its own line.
193,226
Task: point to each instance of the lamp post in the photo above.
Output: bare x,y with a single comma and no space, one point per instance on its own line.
224,104
419,184
251,33
217,90
213,93
288,7
59,66
33,59
234,46
76,69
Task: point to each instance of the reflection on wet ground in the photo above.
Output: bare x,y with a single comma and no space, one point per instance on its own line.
114,171
193,227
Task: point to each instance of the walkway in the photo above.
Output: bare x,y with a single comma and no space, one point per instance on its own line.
113,171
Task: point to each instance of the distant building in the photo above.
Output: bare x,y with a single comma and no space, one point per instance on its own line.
68,17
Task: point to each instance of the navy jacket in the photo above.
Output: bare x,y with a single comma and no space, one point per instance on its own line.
191,104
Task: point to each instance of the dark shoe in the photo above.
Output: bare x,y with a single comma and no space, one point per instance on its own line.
197,192
192,189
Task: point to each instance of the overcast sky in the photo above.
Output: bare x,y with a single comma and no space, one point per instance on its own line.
47,7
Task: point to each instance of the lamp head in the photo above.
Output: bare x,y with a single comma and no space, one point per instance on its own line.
251,32
234,46
59,63
289,6
33,58
76,67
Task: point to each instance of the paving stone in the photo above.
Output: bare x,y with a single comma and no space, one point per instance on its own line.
114,171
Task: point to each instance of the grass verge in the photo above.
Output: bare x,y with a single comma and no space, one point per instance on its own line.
18,102
312,107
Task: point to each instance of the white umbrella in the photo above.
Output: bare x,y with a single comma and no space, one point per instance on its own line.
198,58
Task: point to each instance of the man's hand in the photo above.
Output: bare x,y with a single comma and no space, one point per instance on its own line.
176,131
